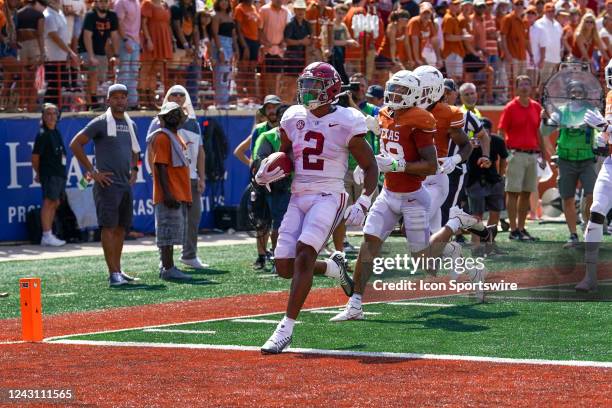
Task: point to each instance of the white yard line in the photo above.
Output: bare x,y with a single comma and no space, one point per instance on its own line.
421,304
180,331
61,294
265,321
346,353
338,311
553,290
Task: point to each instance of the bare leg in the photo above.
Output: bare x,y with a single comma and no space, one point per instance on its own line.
338,237
512,206
523,209
569,209
111,253
47,213
302,279
369,250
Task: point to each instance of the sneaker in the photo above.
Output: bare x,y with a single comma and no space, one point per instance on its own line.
259,263
173,274
52,240
279,341
128,277
478,275
116,279
466,221
504,225
269,256
195,263
525,236
348,248
350,312
515,235
586,285
572,241
345,280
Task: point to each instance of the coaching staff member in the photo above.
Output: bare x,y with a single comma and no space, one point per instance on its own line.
116,156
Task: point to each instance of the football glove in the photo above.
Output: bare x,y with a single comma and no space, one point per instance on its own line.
372,124
448,164
594,119
265,177
388,164
358,175
355,214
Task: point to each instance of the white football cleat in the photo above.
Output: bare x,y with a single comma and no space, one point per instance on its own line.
466,220
478,275
279,341
586,285
350,312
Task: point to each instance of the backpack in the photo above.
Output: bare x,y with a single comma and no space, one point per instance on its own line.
34,226
215,149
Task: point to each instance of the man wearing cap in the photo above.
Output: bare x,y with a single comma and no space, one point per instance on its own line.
171,187
515,40
298,36
547,40
268,111
116,152
454,50
375,95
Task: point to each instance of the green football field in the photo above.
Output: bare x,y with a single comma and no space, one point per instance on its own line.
509,325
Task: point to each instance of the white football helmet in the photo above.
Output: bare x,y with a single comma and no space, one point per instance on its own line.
402,91
609,75
432,85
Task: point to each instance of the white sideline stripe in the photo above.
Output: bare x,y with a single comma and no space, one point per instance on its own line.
267,275
265,321
553,290
181,331
346,353
338,311
534,298
11,342
55,338
61,294
421,304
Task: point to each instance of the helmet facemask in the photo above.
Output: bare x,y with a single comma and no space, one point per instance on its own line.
399,96
311,92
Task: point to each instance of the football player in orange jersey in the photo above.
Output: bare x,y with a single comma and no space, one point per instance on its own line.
408,155
602,198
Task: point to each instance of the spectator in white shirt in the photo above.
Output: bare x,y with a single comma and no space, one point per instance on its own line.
547,44
606,32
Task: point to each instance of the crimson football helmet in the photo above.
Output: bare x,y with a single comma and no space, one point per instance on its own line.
319,84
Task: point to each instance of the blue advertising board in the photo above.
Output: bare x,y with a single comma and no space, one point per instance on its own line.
19,192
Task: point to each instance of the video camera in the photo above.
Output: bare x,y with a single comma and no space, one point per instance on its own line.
344,90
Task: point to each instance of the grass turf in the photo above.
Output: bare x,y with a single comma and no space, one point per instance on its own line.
535,329
79,284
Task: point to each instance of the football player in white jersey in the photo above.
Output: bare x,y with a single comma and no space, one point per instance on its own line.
319,136
602,193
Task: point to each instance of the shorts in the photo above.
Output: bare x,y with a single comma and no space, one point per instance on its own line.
602,193
273,64
310,219
170,225
483,197
521,174
454,66
29,51
571,171
389,207
113,205
52,187
101,68
278,203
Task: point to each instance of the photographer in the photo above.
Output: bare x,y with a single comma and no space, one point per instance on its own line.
576,159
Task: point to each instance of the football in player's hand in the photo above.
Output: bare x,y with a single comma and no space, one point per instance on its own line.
282,160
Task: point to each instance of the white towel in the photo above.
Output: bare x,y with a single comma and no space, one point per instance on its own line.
111,129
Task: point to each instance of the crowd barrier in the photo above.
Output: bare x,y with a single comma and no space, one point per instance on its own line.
20,192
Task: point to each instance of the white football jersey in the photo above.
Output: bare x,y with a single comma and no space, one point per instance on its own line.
320,147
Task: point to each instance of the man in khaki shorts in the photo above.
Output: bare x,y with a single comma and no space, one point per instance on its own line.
520,126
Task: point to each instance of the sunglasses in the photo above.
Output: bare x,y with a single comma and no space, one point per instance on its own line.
177,94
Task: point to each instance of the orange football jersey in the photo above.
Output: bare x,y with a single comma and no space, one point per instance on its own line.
447,117
608,114
401,135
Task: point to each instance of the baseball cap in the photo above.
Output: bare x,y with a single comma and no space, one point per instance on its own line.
450,85
375,91
299,4
479,3
273,99
116,88
425,6
168,107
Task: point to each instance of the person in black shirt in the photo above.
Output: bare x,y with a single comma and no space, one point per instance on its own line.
49,164
186,58
485,186
298,36
99,26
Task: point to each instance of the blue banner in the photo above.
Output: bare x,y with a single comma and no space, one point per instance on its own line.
19,192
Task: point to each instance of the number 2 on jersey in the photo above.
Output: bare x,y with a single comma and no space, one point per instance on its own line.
314,163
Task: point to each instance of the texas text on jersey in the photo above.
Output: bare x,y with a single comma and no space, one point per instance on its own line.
320,147
401,135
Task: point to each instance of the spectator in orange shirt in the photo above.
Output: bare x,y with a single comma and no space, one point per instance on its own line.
453,51
515,41
247,18
492,51
273,19
422,33
568,30
586,39
321,17
394,48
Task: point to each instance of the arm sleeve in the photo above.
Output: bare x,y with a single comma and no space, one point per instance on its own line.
161,149
457,120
